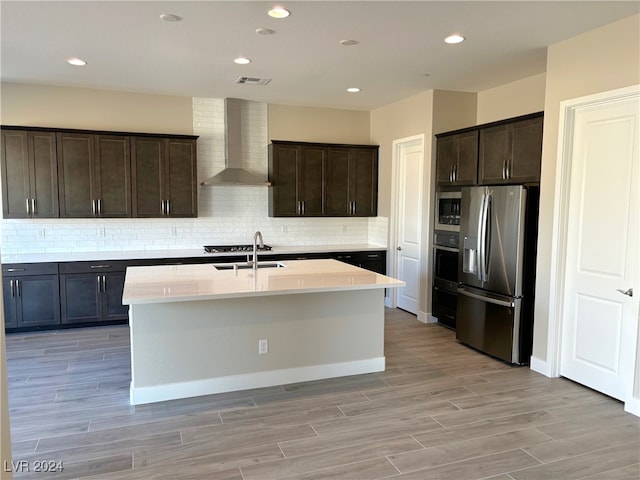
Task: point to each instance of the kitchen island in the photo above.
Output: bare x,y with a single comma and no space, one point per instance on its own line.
205,329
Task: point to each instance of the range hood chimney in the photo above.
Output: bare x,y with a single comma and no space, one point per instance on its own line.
233,173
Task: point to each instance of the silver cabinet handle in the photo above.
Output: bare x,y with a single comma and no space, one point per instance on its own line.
455,172
99,201
302,207
162,207
504,169
33,206
11,283
104,283
15,270
451,174
509,167
628,291
100,266
168,207
98,283
93,207
28,207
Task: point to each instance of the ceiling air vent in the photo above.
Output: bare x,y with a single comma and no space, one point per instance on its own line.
253,81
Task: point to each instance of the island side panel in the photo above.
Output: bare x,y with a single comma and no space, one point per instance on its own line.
185,349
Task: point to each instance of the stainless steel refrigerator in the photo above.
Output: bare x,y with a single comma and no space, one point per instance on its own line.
496,270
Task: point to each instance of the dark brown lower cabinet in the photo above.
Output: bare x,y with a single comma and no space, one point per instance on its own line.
91,292
70,294
31,295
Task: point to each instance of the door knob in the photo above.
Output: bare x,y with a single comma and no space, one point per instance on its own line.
399,248
628,292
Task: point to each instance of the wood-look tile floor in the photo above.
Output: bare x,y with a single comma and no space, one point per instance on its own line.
439,411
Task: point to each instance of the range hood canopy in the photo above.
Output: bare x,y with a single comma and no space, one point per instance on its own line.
233,173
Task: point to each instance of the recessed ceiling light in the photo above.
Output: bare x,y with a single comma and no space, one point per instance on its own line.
353,89
169,17
76,61
348,43
454,39
265,31
242,61
279,12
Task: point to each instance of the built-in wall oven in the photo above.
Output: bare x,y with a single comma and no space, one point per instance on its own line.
445,277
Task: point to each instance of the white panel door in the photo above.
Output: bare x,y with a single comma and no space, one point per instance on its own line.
600,321
408,226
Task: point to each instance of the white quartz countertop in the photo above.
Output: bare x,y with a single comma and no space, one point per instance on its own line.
181,283
174,253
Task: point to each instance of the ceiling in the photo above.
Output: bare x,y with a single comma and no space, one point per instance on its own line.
400,50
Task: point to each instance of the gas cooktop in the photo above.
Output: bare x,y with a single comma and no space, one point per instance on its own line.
233,248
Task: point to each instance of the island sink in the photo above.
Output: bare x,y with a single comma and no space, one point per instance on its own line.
244,266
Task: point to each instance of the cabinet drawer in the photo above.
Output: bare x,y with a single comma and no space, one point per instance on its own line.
20,269
98,266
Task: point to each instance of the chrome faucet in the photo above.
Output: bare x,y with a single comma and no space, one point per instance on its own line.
256,236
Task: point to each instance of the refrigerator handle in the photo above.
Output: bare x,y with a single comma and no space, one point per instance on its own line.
484,219
495,301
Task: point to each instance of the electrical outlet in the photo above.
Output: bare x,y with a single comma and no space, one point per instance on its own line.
263,346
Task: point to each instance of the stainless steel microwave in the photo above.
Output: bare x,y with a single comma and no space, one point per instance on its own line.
448,211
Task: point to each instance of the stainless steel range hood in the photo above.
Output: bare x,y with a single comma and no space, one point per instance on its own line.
234,174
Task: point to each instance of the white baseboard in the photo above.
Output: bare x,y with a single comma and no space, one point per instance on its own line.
632,405
425,317
539,366
232,383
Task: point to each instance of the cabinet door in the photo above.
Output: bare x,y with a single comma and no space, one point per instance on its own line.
466,170
38,300
180,172
29,174
112,288
76,173
15,174
80,297
364,182
495,151
148,176
526,153
113,176
283,175
311,180
9,301
446,158
337,175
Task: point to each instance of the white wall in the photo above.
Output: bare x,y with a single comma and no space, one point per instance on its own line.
597,61
512,99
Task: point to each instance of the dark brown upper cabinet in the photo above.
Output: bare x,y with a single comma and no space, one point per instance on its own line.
29,178
94,175
164,177
457,159
296,173
352,181
511,152
322,179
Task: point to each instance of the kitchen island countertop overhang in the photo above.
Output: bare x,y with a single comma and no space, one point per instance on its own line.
173,283
196,330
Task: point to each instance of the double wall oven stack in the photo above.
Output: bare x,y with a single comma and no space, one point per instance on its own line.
445,257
